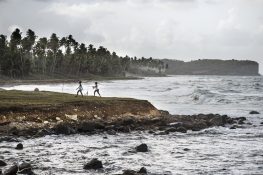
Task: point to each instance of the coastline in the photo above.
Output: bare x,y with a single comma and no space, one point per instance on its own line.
36,114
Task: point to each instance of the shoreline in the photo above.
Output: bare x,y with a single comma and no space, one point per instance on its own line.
61,80
36,114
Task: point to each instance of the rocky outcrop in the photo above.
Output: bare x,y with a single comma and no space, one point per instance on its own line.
93,164
142,148
254,112
212,67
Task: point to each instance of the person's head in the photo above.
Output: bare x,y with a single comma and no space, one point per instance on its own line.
79,82
96,82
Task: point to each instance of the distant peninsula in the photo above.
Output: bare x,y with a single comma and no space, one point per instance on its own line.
212,67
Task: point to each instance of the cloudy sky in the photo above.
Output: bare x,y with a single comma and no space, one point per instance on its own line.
176,29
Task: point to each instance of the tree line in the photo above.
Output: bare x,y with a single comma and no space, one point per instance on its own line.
24,56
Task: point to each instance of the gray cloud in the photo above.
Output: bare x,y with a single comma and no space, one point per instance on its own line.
179,29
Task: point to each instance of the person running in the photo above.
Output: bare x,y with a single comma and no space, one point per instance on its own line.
96,89
80,88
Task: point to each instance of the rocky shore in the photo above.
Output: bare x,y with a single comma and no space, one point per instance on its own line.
36,114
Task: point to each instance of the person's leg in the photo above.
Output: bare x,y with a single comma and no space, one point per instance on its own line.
99,93
81,93
77,93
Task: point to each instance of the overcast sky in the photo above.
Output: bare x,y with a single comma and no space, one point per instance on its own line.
175,29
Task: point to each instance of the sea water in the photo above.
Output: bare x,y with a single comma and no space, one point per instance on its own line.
217,150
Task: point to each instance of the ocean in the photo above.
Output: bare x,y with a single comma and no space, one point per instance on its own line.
217,150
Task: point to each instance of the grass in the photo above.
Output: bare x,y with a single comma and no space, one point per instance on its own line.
15,98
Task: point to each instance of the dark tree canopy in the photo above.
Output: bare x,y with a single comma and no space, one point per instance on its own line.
24,56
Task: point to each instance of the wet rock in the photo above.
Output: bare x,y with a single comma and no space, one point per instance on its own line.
142,148
199,126
93,164
63,128
42,132
25,168
261,123
124,129
240,122
2,163
186,149
232,127
11,171
129,172
181,129
8,139
90,126
14,131
254,112
19,146
216,121
111,132
171,130
151,132
36,90
127,121
142,170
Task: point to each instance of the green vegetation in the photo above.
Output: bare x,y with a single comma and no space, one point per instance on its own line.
28,56
212,67
15,98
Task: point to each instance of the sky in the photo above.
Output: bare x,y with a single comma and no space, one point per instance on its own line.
175,29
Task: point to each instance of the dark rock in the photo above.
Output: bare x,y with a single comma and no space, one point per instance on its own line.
151,132
8,139
181,129
19,146
162,133
63,128
124,129
93,164
216,121
254,112
90,126
127,121
240,122
14,131
142,148
171,130
36,90
43,132
111,132
186,149
2,163
12,170
232,127
199,126
129,172
142,170
25,168
261,123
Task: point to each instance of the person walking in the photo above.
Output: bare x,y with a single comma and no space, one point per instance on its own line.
96,89
80,88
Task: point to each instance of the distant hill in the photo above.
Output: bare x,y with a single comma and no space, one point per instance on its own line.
212,67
